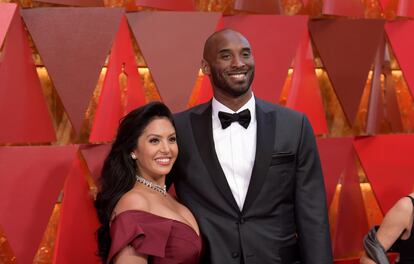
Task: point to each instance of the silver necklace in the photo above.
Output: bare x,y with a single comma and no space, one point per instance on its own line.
152,185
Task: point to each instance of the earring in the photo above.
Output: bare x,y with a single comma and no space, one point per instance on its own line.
133,156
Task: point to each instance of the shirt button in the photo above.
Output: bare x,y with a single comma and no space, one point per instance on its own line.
235,254
241,220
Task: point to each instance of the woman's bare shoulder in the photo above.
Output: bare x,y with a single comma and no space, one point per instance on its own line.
132,200
400,214
404,206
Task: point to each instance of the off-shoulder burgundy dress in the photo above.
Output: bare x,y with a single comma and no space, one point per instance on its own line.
164,240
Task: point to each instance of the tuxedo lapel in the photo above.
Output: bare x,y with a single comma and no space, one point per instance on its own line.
264,147
203,134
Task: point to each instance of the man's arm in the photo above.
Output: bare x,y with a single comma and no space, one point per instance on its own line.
310,202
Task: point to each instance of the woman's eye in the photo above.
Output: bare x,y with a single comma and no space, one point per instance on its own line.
172,139
153,140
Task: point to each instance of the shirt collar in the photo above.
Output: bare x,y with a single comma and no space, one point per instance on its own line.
217,106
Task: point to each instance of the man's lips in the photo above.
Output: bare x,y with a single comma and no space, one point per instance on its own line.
237,76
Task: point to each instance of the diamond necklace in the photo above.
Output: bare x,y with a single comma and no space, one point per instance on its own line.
152,185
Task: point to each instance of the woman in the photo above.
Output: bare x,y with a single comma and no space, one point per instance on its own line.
396,230
140,221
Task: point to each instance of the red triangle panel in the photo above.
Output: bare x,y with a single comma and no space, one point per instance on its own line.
393,109
73,44
334,153
388,164
206,91
305,94
400,37
347,49
352,223
24,116
273,57
375,113
110,109
95,156
6,14
172,45
76,240
31,178
405,8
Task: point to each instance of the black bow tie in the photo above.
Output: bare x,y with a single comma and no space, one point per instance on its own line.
226,118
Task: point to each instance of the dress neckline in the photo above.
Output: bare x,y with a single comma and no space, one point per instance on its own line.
158,216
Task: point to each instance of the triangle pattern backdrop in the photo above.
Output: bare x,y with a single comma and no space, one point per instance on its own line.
334,153
114,103
400,37
73,44
351,224
304,94
347,49
376,103
95,156
388,164
172,45
75,240
24,116
33,176
6,14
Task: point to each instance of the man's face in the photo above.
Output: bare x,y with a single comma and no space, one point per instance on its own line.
229,63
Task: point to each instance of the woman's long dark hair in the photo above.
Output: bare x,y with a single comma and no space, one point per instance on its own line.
119,169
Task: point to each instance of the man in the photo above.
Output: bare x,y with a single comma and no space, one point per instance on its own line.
253,179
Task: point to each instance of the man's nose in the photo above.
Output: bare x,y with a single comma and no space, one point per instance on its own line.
238,61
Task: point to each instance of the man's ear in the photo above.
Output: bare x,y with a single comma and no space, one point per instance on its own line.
205,67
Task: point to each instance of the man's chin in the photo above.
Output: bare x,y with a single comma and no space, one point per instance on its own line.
238,91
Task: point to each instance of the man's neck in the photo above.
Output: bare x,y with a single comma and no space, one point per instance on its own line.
234,103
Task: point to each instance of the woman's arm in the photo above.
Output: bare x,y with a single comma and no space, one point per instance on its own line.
128,255
395,222
366,260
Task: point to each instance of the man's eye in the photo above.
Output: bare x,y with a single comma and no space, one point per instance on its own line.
246,54
225,56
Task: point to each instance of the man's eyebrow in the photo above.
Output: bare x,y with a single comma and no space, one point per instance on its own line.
224,50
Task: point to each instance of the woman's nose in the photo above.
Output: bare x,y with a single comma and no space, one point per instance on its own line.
165,147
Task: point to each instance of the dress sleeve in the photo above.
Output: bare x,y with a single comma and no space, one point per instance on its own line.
147,236
373,247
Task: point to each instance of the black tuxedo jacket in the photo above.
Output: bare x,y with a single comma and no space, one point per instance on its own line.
284,217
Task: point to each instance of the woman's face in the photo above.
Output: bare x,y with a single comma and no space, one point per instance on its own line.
156,149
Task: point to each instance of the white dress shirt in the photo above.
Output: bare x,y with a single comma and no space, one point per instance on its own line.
235,148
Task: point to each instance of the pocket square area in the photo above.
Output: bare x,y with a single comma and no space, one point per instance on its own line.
279,158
